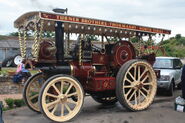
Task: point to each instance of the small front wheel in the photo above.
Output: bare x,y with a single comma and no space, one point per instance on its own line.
61,98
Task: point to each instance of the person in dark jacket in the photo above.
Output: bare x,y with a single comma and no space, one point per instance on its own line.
181,100
1,114
183,82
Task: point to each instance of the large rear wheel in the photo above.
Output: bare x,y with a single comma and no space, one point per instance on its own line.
61,98
31,91
136,85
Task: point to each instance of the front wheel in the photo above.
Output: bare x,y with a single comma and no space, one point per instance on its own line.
136,85
61,98
170,90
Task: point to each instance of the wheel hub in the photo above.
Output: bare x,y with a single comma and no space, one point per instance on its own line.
63,99
138,85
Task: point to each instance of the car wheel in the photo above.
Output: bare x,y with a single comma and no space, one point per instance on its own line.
7,62
179,86
170,90
17,59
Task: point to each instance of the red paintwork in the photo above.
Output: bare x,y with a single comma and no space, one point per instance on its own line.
98,58
91,79
101,84
85,70
123,51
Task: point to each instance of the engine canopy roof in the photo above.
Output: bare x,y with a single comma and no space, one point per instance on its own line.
75,24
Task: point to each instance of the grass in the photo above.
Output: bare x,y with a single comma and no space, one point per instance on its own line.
12,104
6,70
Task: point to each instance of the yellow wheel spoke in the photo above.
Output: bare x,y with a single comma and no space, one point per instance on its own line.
144,78
72,94
51,95
128,86
143,94
135,96
62,109
145,90
36,104
56,89
32,89
128,92
37,84
131,76
52,103
34,96
139,72
149,83
68,108
135,69
132,95
54,109
128,80
71,101
146,70
139,97
71,85
62,87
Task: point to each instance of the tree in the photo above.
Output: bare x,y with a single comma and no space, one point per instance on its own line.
14,34
178,36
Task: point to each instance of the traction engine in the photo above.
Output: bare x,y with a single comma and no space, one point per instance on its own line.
113,72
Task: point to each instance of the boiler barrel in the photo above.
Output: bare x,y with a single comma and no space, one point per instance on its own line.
65,69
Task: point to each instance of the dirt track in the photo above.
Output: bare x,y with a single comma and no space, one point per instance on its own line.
161,111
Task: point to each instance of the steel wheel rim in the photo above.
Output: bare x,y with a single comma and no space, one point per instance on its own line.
62,99
139,85
32,92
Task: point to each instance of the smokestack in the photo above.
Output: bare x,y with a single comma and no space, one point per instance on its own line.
59,10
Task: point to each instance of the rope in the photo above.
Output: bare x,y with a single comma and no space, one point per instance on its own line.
37,39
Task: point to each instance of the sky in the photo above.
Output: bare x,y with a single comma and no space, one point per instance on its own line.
167,14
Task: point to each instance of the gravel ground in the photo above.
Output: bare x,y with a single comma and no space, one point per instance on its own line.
161,111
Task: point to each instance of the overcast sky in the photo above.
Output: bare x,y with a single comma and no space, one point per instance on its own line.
168,14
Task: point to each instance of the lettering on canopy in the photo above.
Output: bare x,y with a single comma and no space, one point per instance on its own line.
87,21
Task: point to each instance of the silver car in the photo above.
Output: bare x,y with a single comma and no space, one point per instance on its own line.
170,71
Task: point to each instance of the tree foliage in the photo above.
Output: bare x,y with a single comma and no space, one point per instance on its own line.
175,46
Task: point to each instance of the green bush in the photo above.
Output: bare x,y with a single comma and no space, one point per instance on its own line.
19,102
9,102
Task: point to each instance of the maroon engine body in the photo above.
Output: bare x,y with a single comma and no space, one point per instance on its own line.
96,74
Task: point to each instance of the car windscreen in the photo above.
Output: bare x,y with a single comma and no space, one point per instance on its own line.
163,64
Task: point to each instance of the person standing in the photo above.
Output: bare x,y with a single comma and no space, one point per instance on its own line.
183,82
181,100
1,114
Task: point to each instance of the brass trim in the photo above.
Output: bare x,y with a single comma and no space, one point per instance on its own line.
94,68
72,69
